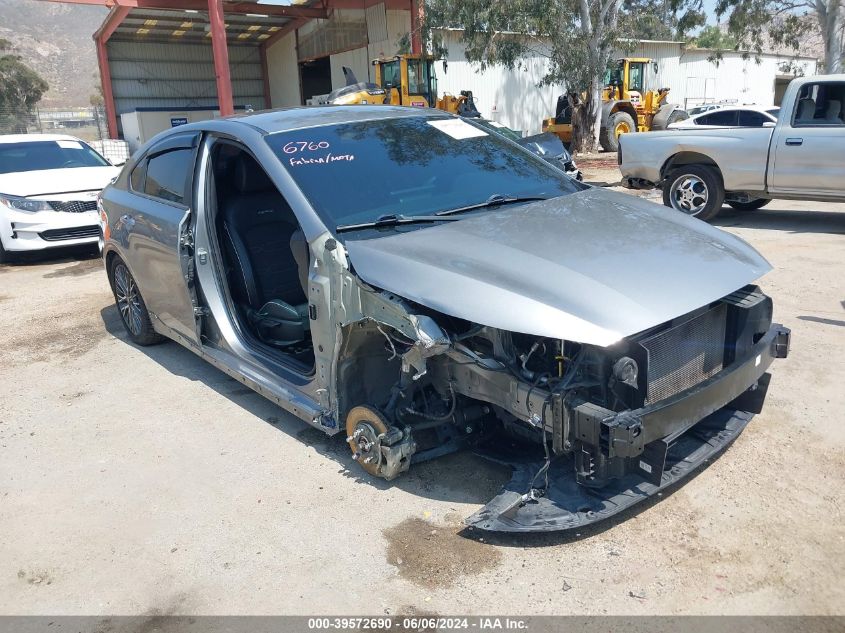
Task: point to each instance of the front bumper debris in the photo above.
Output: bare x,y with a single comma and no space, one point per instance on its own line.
658,445
566,505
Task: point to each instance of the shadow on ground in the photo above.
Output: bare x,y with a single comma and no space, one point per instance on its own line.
463,477
791,221
459,478
61,255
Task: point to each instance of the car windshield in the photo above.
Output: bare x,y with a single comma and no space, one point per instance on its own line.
354,173
500,129
613,74
40,155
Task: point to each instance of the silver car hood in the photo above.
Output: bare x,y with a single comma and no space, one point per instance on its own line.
590,267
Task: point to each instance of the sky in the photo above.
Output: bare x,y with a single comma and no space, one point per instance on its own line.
709,8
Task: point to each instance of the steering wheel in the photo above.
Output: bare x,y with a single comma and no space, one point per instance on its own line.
72,163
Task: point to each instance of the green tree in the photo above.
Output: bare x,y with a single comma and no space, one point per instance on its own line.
757,24
20,89
664,19
715,38
577,37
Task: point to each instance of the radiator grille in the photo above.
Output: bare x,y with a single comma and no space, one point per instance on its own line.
55,235
685,355
74,206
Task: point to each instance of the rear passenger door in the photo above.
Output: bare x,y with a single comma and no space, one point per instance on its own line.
161,229
808,148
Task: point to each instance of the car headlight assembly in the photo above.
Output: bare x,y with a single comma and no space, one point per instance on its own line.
24,204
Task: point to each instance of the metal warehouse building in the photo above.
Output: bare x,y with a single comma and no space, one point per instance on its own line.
166,62
513,98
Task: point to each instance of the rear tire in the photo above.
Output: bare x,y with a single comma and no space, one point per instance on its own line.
5,257
617,124
130,305
751,205
695,190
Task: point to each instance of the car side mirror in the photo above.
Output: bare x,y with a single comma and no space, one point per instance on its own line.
769,124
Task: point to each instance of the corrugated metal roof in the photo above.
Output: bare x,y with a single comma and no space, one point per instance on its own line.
171,25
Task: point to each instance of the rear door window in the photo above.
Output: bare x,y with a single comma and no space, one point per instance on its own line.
750,118
136,178
720,117
167,175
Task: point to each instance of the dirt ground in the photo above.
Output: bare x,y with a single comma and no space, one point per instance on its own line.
143,481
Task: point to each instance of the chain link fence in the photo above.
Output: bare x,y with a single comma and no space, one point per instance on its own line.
88,123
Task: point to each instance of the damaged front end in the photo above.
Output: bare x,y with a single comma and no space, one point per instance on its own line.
592,430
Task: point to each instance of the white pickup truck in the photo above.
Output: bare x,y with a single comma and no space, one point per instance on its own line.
801,157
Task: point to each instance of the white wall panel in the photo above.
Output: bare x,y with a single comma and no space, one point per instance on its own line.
376,23
510,97
398,23
356,59
283,71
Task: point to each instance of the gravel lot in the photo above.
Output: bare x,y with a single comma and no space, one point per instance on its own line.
143,481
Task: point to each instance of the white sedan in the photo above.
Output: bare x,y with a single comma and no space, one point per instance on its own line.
740,116
48,192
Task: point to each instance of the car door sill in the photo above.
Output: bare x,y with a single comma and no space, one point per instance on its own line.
288,397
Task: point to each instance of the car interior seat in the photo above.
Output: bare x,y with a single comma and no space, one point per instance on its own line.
263,274
302,256
833,111
806,110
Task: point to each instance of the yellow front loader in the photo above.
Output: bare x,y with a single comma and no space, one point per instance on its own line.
406,80
626,105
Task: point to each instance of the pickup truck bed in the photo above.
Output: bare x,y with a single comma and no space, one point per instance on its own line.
801,157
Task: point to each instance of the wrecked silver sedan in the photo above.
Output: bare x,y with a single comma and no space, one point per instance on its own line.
422,286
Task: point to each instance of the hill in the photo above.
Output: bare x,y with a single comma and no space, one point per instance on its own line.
55,40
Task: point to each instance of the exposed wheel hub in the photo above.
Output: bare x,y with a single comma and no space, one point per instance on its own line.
381,450
366,447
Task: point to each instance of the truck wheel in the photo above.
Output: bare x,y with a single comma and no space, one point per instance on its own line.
131,306
618,124
696,190
751,205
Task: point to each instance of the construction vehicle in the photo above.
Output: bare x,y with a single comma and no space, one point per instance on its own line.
626,105
407,80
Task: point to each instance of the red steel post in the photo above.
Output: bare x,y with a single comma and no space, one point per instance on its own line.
221,57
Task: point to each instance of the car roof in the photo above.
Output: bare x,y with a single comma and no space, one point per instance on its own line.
32,138
746,108
271,121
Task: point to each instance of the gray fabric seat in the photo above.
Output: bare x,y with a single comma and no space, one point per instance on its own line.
832,113
806,111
